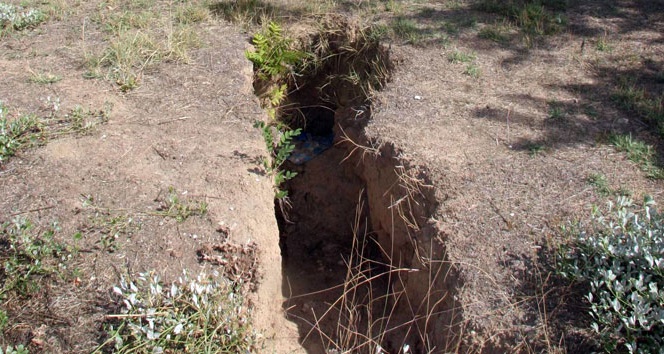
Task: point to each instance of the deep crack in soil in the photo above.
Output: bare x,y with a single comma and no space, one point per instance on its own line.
364,267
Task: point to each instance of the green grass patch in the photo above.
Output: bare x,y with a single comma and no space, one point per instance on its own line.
458,56
495,33
533,17
556,111
647,105
638,152
601,185
602,45
405,29
535,149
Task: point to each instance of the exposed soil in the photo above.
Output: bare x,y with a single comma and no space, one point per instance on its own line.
446,190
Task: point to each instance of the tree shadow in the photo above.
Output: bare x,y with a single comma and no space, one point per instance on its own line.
626,94
556,311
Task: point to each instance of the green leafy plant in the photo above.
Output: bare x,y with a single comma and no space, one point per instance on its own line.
273,55
621,259
16,133
273,58
192,315
180,209
19,349
29,255
280,148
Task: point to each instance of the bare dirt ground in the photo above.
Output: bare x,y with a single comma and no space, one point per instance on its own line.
503,171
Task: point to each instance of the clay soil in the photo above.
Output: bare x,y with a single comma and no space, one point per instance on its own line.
499,172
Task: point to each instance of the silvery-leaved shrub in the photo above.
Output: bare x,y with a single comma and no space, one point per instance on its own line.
17,18
621,259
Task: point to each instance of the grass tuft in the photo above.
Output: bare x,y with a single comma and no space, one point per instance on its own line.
556,111
638,152
496,33
458,56
633,98
405,29
44,78
473,71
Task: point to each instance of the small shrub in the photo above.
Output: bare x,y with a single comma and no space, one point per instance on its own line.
273,55
273,58
621,259
19,349
199,315
17,19
16,133
28,255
